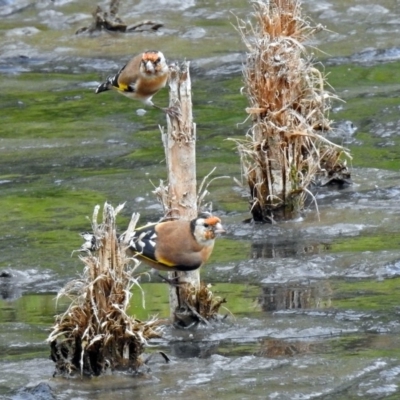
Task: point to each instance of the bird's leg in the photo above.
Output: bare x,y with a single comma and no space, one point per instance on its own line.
173,282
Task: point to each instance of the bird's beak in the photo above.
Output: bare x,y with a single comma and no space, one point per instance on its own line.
219,228
149,67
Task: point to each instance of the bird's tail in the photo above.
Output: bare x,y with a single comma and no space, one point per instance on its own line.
104,86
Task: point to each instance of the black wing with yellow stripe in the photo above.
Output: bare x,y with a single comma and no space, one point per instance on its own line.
144,242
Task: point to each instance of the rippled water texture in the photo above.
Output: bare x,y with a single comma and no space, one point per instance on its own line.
312,304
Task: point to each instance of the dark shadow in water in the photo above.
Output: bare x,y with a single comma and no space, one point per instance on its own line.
292,296
9,290
42,391
286,248
192,349
273,348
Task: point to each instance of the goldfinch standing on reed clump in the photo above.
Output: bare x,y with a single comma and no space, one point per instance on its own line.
176,245
141,78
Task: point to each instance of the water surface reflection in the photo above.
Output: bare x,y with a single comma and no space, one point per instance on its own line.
312,303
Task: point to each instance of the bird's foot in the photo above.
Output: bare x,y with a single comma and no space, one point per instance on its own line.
173,112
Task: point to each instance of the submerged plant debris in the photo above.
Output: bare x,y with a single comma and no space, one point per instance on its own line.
286,149
110,21
95,334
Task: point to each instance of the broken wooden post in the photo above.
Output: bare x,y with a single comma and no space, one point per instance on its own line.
180,197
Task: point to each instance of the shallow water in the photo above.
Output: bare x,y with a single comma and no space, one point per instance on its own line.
314,301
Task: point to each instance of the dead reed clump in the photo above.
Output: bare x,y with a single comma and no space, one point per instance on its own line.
95,333
282,153
197,306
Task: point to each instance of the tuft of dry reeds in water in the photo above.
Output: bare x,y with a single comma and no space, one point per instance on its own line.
198,305
281,155
95,333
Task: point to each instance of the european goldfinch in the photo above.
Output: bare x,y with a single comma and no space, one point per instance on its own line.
141,78
176,245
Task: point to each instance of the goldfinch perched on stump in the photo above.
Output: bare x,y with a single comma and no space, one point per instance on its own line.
141,78
177,245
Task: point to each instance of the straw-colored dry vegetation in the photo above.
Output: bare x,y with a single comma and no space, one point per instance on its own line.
95,333
285,150
197,306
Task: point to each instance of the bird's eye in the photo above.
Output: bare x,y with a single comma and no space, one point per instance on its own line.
206,225
157,61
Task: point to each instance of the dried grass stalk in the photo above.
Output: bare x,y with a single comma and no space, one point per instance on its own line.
281,154
95,333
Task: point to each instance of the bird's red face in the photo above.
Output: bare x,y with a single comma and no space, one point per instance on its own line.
209,227
153,62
